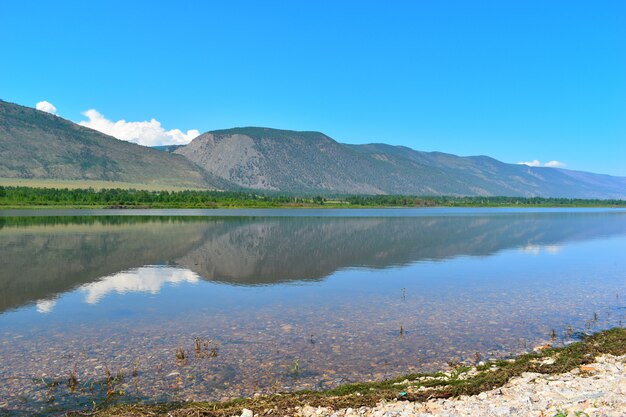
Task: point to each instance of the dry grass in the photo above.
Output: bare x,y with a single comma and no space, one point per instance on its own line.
84,184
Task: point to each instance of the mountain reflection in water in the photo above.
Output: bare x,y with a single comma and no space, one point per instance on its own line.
42,257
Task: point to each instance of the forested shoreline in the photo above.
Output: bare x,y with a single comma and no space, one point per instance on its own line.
18,197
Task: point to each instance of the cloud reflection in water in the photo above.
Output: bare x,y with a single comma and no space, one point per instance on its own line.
145,279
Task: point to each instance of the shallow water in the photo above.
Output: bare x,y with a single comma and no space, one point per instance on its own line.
287,299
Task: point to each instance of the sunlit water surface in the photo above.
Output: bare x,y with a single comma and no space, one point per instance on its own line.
208,305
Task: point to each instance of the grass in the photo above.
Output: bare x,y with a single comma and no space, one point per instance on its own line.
463,380
86,184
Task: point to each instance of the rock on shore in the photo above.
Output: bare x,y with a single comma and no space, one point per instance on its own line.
598,389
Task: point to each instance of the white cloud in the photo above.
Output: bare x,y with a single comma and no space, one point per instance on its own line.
549,164
148,133
45,306
46,106
535,163
533,249
555,164
145,279
553,249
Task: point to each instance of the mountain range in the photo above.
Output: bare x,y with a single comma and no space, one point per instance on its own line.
282,160
35,144
38,145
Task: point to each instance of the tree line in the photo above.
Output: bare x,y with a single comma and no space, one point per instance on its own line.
29,196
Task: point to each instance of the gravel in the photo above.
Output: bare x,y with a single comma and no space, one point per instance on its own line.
598,389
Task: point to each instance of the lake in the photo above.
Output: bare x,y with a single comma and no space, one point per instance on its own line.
158,305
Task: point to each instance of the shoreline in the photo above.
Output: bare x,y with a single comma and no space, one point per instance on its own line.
113,209
65,198
460,383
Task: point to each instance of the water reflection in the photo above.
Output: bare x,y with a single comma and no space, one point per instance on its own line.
42,257
147,279
90,294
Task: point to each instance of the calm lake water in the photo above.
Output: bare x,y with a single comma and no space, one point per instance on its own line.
191,304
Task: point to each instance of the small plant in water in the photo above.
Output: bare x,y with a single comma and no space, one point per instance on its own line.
72,380
107,374
181,356
198,347
204,348
295,369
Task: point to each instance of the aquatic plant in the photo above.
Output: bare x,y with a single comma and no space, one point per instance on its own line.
197,346
72,380
181,356
295,369
205,348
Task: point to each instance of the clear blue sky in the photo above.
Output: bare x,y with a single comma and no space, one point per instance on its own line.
516,80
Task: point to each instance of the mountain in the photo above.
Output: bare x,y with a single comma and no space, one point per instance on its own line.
166,148
38,145
282,160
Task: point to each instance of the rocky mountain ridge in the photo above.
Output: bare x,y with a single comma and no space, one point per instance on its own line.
291,161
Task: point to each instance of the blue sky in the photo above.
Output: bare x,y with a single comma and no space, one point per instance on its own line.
516,80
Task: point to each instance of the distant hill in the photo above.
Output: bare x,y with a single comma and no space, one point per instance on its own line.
38,145
35,145
282,160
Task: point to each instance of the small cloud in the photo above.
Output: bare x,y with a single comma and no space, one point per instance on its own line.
553,249
550,164
46,106
147,279
535,163
148,133
555,164
531,249
45,306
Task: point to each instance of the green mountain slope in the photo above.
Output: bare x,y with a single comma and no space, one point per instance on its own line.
271,159
38,145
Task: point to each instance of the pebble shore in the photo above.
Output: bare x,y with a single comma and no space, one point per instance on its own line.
598,389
